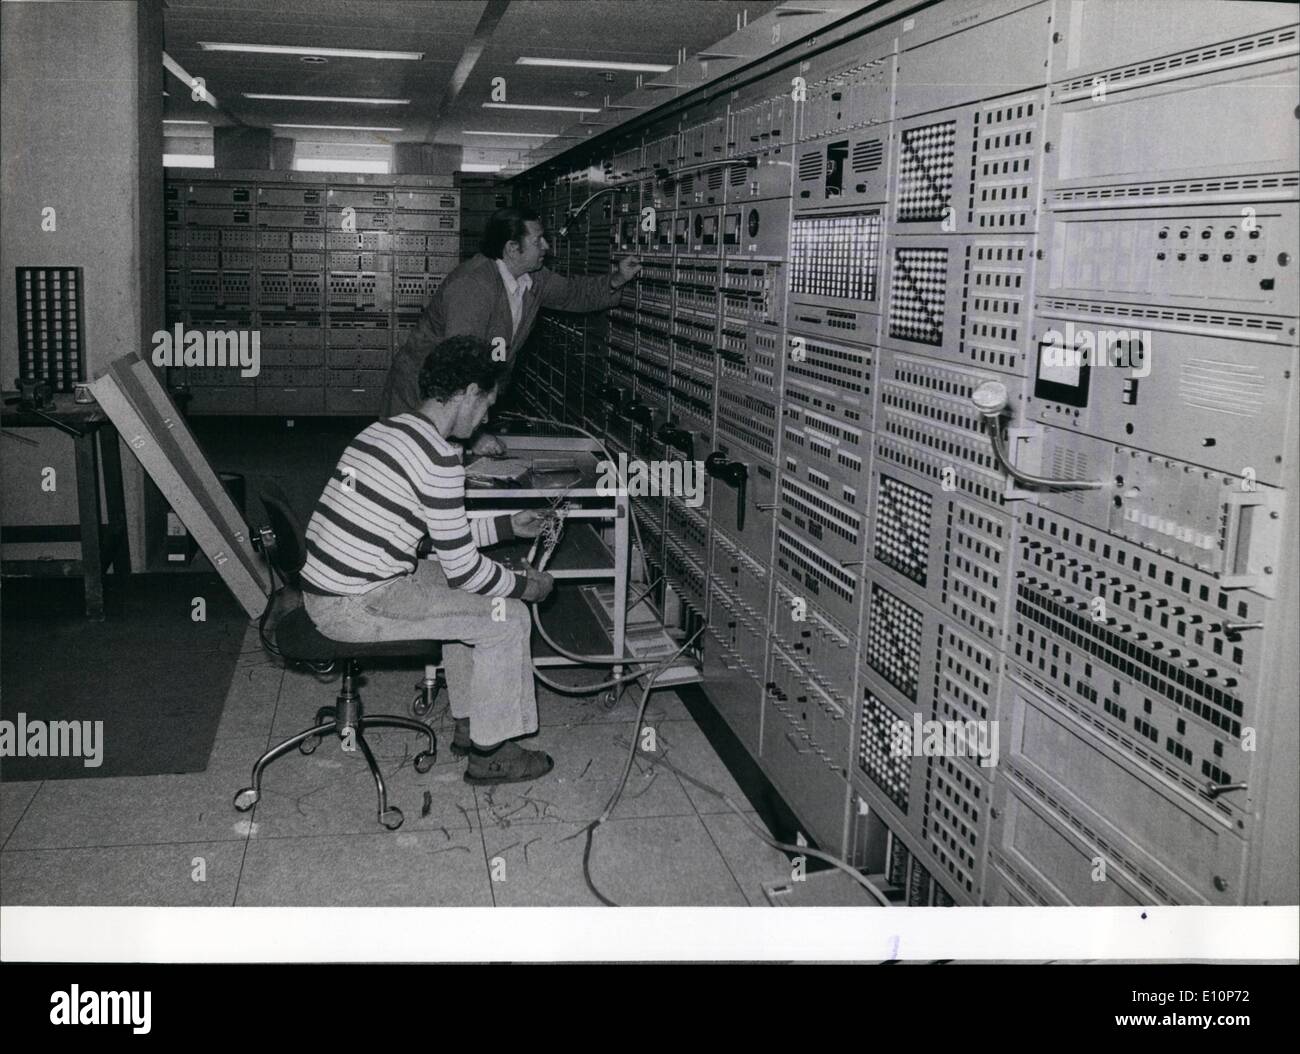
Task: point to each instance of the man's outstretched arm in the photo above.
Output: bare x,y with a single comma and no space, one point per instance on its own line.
594,293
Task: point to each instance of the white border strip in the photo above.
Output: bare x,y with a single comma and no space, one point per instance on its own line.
30,934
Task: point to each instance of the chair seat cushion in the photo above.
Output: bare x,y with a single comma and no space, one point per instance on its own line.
298,638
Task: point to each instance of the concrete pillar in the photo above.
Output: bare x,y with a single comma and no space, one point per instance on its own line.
426,159
89,147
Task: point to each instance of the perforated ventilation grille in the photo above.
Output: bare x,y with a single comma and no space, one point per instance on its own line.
1243,46
867,156
916,296
894,640
1166,314
903,528
925,165
888,772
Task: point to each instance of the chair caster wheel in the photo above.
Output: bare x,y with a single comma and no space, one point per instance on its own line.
246,799
424,760
425,698
608,699
308,746
392,817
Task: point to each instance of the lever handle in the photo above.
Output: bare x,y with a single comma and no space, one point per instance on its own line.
677,437
1215,789
640,414
738,477
734,474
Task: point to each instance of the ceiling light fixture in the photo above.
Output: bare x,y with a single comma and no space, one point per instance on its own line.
594,64
341,127
513,135
327,98
290,49
526,106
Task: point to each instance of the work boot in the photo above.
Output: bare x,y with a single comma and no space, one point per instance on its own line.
507,762
461,743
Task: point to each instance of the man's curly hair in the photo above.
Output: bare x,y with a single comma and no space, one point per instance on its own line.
457,363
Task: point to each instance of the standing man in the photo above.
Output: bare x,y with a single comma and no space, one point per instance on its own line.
495,296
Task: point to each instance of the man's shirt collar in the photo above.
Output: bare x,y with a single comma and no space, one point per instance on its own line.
514,286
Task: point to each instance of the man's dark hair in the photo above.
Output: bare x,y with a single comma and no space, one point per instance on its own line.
457,363
507,225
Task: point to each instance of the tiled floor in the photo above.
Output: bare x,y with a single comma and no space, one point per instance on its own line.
313,838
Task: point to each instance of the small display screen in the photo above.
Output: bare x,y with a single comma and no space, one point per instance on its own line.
731,229
710,230
1063,373
665,232
683,230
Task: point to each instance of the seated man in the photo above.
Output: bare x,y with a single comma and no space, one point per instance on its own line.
401,478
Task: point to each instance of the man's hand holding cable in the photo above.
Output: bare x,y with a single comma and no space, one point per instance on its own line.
539,586
527,523
487,446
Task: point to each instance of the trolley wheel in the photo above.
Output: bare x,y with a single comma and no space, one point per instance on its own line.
608,699
246,799
424,700
308,746
391,817
424,760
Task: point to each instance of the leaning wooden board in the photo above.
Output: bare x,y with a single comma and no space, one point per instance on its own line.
158,436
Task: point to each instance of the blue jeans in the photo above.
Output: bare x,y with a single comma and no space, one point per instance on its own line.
489,672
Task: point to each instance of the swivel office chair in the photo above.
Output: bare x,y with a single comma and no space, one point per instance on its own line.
298,640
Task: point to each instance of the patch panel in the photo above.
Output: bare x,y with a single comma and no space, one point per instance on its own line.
363,292
824,444
836,589
752,291
349,241
692,399
1140,639
835,257
832,379
748,419
806,505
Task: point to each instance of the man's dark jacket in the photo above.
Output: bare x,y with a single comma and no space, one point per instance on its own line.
472,301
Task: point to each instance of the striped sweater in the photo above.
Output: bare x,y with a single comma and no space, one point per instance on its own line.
397,481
